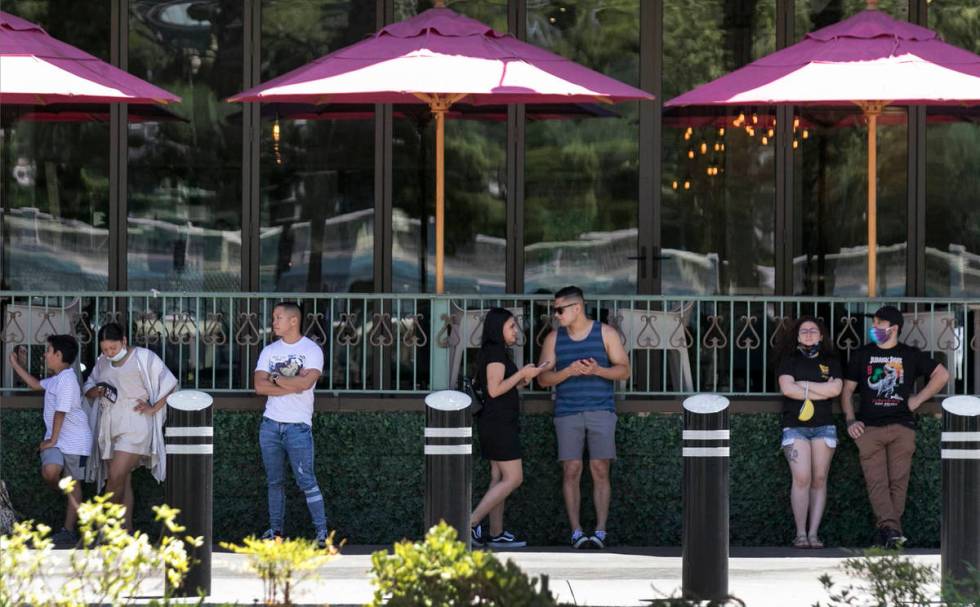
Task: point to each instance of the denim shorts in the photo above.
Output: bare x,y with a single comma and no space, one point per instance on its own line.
828,433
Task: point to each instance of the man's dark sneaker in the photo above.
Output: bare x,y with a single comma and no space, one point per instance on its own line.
321,539
878,539
580,540
893,537
271,534
598,540
64,538
476,536
506,540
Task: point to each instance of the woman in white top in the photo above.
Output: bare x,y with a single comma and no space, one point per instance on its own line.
131,386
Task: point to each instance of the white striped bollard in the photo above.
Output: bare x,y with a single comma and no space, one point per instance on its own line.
448,467
705,535
960,454
190,448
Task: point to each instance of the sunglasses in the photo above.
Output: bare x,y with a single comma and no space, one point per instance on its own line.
559,310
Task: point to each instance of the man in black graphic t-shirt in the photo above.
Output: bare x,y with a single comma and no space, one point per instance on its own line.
884,373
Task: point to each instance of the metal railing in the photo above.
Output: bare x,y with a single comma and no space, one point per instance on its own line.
391,344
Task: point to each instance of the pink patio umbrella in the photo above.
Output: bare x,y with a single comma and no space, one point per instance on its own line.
36,69
870,60
440,58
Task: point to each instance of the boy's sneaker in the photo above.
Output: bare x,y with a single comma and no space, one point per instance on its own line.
64,538
598,540
321,539
271,534
476,536
579,539
506,540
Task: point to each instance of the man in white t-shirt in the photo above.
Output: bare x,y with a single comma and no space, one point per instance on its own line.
67,434
287,372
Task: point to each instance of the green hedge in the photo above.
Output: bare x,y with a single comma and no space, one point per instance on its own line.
370,468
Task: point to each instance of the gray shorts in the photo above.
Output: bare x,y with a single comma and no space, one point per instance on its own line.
596,427
71,465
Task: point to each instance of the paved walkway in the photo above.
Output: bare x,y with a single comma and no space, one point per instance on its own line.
762,577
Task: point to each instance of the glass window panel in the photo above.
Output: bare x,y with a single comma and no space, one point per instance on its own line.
184,176
476,196
831,192
582,183
952,180
718,170
317,169
54,170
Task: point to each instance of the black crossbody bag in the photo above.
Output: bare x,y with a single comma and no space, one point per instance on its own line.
472,389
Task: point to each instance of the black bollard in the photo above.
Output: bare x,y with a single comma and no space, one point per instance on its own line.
960,454
705,535
190,437
448,466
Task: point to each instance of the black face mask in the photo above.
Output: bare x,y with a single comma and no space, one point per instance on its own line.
809,351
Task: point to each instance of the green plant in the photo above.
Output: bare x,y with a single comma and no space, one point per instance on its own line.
440,571
107,570
283,564
887,578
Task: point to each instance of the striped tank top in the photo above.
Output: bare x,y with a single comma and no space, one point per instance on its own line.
582,392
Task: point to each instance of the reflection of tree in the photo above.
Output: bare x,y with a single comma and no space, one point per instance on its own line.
730,214
69,161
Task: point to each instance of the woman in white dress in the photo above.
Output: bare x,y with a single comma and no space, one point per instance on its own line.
131,386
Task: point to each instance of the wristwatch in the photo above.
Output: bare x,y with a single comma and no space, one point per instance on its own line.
274,378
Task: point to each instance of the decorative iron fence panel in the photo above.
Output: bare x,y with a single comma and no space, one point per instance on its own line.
391,344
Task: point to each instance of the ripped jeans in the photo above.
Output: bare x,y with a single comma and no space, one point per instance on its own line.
278,442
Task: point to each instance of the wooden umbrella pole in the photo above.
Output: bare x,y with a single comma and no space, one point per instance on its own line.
871,110
439,105
440,114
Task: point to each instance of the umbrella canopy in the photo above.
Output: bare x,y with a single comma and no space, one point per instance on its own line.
871,60
440,58
38,69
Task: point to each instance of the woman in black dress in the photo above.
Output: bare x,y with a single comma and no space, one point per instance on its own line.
810,378
499,425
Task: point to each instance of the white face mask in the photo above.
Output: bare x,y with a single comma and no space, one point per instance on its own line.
121,354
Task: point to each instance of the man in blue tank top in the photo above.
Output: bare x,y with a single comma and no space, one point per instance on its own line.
588,357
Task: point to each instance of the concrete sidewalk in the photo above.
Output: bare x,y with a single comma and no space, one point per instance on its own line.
762,577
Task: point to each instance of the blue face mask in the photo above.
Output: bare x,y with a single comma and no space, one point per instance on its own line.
878,335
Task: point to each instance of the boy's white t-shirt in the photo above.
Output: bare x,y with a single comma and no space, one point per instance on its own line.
63,393
288,360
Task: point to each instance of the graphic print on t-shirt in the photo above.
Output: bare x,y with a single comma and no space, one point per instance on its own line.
885,374
287,366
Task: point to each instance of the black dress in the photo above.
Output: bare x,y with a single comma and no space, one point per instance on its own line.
498,424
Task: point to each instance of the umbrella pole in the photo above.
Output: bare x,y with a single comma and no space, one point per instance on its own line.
439,105
440,114
871,110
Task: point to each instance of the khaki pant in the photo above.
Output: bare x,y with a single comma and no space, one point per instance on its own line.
886,459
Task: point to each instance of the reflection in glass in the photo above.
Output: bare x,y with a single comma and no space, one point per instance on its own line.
184,177
831,186
317,168
581,192
476,174
54,171
718,165
952,180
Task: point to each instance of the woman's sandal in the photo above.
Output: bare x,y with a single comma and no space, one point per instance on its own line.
801,541
815,542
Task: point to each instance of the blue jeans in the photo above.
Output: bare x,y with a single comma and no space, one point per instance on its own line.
279,441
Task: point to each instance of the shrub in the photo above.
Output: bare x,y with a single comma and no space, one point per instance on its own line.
440,572
283,564
109,567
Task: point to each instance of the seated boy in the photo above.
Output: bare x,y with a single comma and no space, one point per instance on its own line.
67,435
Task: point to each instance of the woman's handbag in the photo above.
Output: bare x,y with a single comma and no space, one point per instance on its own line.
477,397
